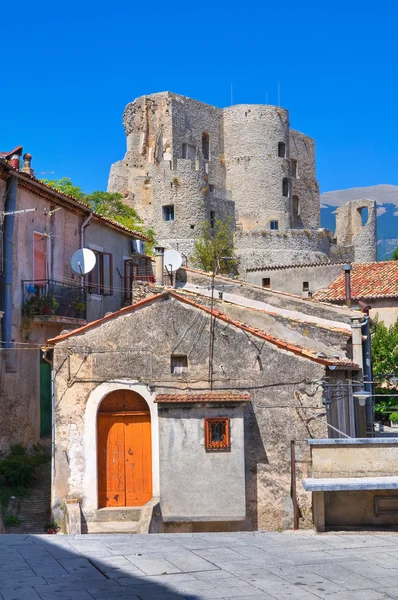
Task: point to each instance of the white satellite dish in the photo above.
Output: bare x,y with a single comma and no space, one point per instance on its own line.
172,260
83,261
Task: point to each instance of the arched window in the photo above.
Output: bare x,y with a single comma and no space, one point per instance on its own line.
285,186
281,149
205,145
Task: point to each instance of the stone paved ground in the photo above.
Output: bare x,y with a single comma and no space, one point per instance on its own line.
245,566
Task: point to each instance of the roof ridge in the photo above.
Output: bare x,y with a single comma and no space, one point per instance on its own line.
285,345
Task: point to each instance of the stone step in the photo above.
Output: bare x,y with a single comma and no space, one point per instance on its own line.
116,513
110,527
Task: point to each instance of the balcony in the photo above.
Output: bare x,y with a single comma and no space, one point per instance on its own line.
53,300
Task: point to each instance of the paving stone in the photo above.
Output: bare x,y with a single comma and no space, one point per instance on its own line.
69,595
18,593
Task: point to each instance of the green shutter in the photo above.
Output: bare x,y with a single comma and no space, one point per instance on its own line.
45,399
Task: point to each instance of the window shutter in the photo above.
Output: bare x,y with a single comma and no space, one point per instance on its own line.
39,258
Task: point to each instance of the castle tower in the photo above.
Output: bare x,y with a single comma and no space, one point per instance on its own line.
189,162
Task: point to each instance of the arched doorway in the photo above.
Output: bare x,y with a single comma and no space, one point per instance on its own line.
124,450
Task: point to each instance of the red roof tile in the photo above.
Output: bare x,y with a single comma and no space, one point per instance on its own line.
368,280
215,396
303,352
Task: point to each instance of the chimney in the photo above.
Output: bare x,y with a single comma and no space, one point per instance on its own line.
159,261
347,280
13,157
27,158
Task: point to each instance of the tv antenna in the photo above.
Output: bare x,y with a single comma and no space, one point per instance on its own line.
83,261
172,262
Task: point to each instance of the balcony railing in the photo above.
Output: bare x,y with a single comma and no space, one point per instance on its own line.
48,297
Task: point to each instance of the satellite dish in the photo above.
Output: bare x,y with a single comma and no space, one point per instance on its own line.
172,260
83,261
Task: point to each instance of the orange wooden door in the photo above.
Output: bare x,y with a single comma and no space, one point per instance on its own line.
111,459
138,459
124,459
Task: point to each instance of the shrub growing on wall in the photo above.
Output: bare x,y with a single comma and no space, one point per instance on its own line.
215,247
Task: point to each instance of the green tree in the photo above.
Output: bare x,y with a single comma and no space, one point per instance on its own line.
385,366
394,255
214,247
107,204
66,186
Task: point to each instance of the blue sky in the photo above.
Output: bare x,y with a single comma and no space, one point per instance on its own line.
69,69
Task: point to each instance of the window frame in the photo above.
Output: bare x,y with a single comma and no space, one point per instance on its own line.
213,446
267,286
306,286
101,288
281,150
272,227
205,145
168,206
183,367
285,187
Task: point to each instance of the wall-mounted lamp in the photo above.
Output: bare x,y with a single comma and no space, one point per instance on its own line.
362,396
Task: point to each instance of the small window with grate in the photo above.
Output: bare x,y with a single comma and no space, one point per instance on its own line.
266,282
179,364
217,434
306,286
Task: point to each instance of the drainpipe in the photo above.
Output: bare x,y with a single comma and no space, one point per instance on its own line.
82,228
347,280
159,265
50,362
8,247
367,371
358,358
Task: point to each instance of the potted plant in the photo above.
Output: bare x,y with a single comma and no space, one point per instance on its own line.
394,419
80,307
49,304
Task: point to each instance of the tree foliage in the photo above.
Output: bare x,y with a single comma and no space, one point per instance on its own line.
394,255
214,247
385,366
107,204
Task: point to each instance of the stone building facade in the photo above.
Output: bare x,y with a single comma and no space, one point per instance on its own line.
41,295
189,162
150,362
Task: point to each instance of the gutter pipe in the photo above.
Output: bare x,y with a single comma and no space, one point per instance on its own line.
82,228
367,370
8,247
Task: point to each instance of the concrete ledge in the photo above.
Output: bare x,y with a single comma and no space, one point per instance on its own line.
352,441
341,484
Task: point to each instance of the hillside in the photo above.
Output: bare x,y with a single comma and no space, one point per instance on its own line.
387,203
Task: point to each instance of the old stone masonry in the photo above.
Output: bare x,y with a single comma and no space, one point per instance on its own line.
187,162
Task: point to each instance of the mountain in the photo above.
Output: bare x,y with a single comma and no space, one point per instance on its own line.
387,212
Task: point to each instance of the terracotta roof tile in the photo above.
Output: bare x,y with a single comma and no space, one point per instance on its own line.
368,280
214,396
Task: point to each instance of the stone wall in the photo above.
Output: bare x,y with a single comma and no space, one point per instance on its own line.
253,169
304,183
356,229
255,249
293,279
140,345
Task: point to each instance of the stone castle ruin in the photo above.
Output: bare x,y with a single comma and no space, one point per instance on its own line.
187,162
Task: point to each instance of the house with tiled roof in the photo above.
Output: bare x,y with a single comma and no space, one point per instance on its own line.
177,413
41,294
375,284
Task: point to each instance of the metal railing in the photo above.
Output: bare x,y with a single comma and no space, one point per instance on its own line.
49,297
